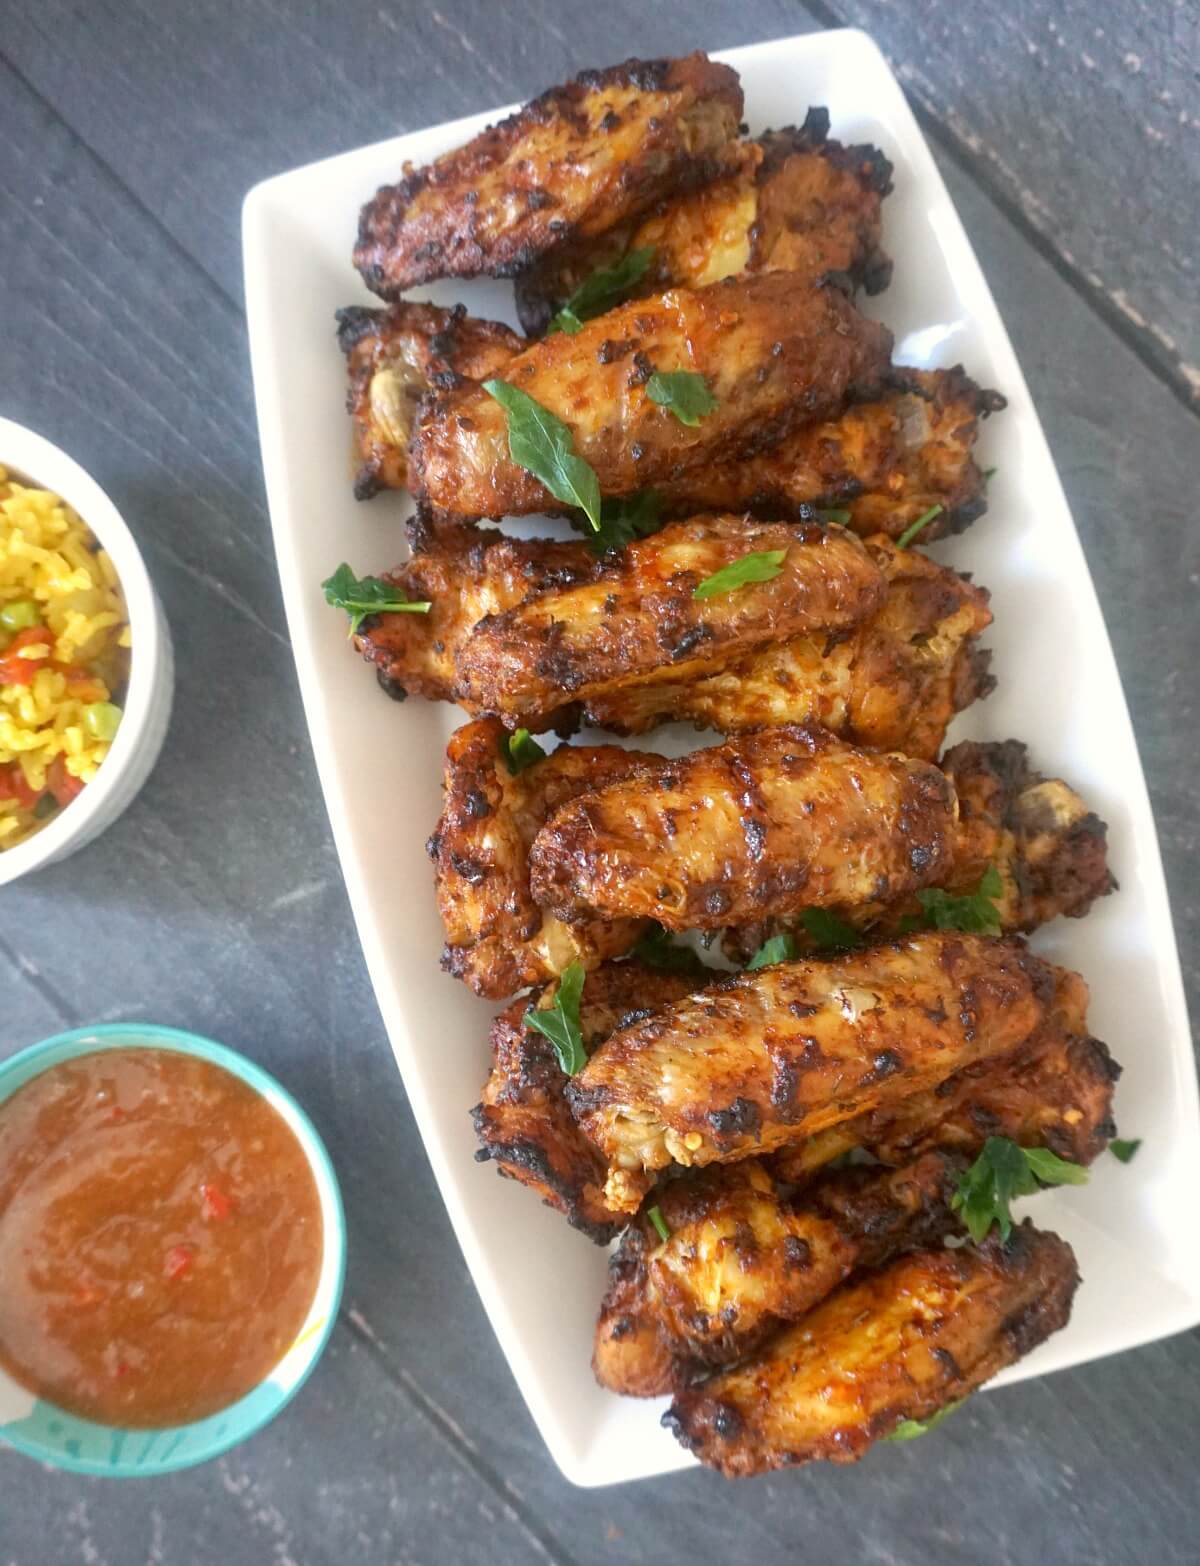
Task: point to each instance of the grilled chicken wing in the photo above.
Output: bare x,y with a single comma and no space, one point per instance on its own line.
765,1058
569,165
893,683
797,202
768,824
896,1344
887,462
1046,845
1055,1091
466,574
497,939
741,1258
523,1123
636,618
394,357
773,350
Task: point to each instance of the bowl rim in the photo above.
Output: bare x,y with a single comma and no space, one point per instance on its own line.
81,1041
32,459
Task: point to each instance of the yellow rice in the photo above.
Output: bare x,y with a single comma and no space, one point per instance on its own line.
47,554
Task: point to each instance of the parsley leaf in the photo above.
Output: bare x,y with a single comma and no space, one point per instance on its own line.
1001,1173
660,1223
780,948
360,596
760,566
910,1429
683,393
657,950
832,514
543,446
521,750
827,932
989,474
1123,1150
560,1023
607,286
975,912
624,519
911,531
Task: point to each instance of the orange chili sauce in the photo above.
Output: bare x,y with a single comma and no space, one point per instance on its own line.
160,1237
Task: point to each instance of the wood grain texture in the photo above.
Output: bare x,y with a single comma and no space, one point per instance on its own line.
121,174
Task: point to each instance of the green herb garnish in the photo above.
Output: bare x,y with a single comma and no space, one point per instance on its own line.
624,519
832,514
660,1223
974,913
543,445
911,531
1001,1173
657,950
989,474
1123,1150
910,1429
360,596
827,932
760,566
559,1022
521,750
780,948
683,393
605,288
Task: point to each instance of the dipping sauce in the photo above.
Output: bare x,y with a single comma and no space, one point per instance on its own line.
160,1237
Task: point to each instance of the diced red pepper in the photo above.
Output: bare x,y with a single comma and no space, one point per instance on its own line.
214,1203
20,671
13,785
61,784
178,1262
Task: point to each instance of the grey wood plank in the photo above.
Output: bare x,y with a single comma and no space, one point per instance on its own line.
1086,119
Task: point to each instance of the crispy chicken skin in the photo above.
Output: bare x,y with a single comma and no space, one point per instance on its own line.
886,461
569,165
893,683
1055,1091
743,1257
764,1058
896,1344
635,619
796,202
523,1123
465,573
394,357
773,350
497,938
768,824
1047,846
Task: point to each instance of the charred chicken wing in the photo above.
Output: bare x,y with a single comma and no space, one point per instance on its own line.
741,1258
773,352
569,165
780,820
767,1057
901,1343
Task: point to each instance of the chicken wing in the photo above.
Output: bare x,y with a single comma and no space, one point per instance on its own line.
741,1258
774,822
523,1123
394,357
887,462
465,574
1055,1091
797,202
636,618
773,351
766,1057
893,683
901,1343
1045,844
497,939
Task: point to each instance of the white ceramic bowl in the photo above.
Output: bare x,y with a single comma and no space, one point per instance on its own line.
147,706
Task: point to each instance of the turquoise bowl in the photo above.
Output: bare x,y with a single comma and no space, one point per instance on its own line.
55,1436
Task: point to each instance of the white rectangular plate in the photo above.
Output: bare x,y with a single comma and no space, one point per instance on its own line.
540,1282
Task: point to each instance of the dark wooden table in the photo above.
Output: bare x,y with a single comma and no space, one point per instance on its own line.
129,131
